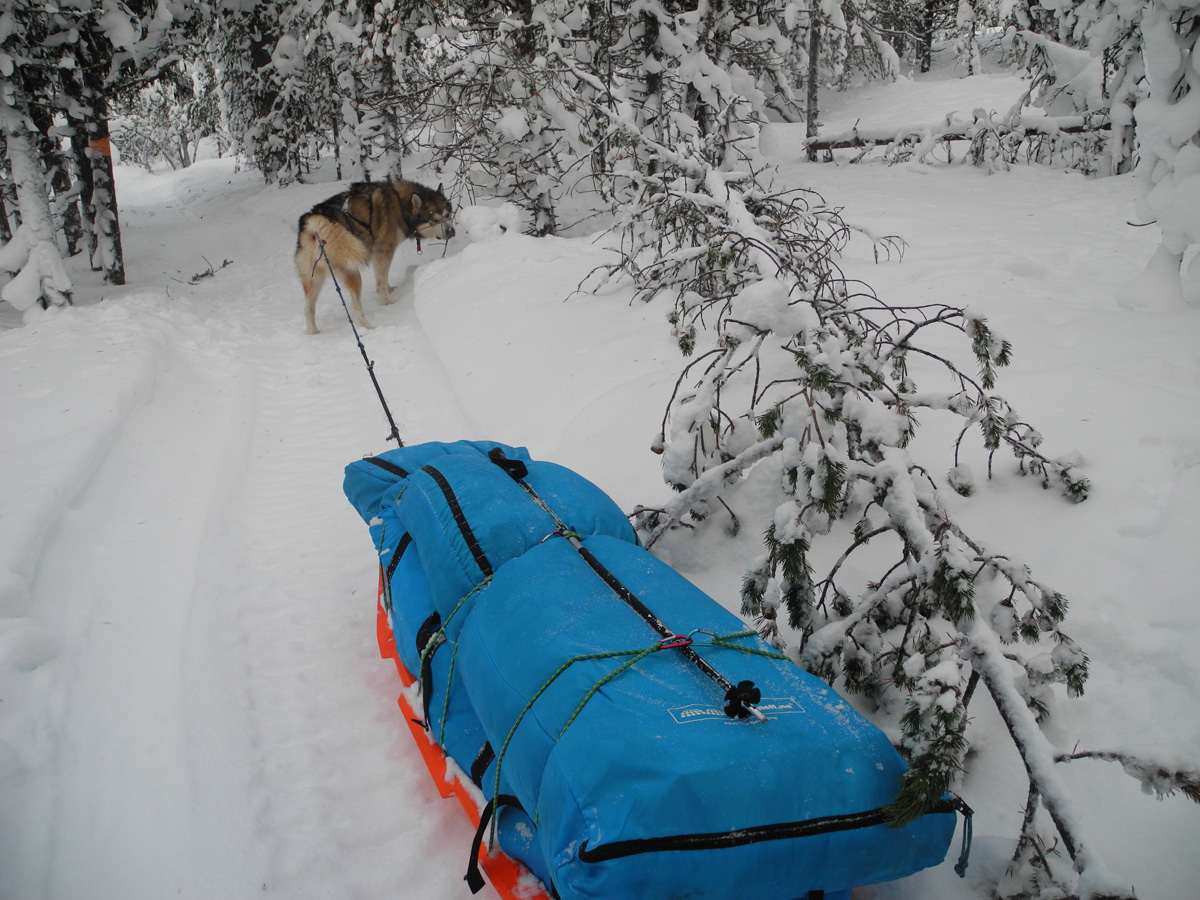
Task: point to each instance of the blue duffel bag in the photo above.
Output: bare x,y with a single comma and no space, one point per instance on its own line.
638,740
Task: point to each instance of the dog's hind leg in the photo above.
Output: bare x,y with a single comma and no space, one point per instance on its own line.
312,280
351,280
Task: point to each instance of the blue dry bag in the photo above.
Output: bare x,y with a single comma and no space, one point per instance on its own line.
635,739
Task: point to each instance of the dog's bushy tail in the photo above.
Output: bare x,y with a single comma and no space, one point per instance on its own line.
343,249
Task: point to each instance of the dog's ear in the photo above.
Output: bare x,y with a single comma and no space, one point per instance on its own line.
439,187
416,203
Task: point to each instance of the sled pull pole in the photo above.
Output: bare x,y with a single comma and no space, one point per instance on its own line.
395,434
741,699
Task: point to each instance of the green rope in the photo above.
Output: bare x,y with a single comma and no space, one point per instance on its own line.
722,640
603,681
387,588
637,654
432,645
636,657
446,702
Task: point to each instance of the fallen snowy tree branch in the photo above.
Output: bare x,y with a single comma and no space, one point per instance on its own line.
1039,756
1161,777
705,488
940,132
800,386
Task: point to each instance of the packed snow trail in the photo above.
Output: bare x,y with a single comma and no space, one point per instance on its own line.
201,613
118,629
209,722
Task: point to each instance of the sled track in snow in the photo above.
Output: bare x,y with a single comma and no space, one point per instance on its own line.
331,777
257,725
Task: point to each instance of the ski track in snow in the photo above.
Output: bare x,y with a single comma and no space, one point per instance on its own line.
228,608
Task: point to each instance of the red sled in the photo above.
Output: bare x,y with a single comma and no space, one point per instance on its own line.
511,880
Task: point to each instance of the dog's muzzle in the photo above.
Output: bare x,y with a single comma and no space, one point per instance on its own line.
436,231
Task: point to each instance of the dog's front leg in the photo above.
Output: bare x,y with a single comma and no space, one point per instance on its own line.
381,261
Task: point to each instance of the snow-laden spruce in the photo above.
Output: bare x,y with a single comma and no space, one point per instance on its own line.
32,255
795,415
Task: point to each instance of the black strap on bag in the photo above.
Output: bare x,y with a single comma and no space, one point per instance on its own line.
386,466
460,519
401,546
740,699
430,631
474,878
482,760
514,467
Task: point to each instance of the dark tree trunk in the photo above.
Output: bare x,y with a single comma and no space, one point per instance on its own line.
104,193
653,100
29,183
5,230
93,155
83,172
56,164
66,197
811,114
8,196
264,94
927,29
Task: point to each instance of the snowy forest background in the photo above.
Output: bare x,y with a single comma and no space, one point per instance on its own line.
794,415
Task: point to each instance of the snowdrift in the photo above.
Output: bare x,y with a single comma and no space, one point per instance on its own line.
621,756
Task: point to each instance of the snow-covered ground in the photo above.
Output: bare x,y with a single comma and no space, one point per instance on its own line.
191,703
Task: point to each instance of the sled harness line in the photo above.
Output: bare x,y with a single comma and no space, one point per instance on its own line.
741,700
395,433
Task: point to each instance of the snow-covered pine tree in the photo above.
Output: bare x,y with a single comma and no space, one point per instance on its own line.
6,200
262,94
402,40
33,252
967,52
63,63
110,30
795,414
1073,77
494,111
1121,62
338,82
912,27
829,44
166,120
1168,136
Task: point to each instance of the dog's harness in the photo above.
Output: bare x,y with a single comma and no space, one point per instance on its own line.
409,228
366,226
